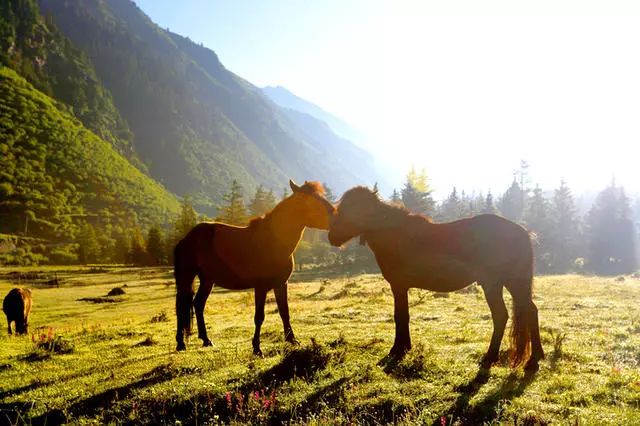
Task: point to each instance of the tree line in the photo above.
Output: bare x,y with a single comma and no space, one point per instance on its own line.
603,241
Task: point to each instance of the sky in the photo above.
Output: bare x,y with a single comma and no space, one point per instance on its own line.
462,88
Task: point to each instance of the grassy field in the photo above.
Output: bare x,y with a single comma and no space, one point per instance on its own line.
97,359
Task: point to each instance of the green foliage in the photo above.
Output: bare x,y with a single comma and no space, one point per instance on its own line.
186,220
416,193
89,249
57,173
262,202
34,48
156,246
233,212
612,234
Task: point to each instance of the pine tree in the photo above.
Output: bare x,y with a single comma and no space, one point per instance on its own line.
156,246
512,202
89,249
328,193
234,211
416,194
137,252
270,200
488,207
452,208
564,233
395,197
536,218
258,205
285,193
122,248
612,234
186,220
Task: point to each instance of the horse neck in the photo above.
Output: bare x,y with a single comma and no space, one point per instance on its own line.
285,226
390,219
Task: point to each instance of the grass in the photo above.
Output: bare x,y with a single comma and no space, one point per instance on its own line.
110,359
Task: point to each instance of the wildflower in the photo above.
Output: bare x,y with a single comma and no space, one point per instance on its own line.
443,421
256,395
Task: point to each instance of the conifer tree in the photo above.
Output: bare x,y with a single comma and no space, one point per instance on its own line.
511,204
536,218
452,208
156,246
137,252
416,194
270,200
258,205
612,234
488,206
395,197
122,248
187,219
89,249
234,211
328,193
564,233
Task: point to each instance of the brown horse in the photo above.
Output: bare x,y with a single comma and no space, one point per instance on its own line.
414,252
17,306
258,256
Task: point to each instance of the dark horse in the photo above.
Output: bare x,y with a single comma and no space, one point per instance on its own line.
258,256
414,252
17,306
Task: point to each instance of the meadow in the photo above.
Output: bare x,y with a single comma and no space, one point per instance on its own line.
94,359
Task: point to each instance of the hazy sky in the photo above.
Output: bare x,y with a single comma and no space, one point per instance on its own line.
463,88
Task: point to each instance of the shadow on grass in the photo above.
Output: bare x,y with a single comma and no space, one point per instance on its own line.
488,409
90,406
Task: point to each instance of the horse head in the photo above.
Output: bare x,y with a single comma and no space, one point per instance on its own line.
354,216
311,206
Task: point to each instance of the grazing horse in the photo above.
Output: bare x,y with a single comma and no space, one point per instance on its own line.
414,252
258,256
17,306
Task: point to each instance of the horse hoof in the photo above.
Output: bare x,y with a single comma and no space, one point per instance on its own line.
206,343
532,366
398,353
181,347
293,341
488,361
257,352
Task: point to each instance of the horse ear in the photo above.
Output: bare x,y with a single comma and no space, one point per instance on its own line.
294,187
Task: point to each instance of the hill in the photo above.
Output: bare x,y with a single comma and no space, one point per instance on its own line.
195,124
286,99
56,173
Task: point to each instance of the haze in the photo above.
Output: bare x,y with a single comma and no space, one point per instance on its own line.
448,87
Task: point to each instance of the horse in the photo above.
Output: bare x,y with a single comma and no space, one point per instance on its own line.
257,256
17,306
414,252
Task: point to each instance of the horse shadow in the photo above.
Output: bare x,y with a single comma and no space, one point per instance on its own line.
94,404
488,409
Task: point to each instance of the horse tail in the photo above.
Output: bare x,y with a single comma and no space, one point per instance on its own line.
184,288
521,290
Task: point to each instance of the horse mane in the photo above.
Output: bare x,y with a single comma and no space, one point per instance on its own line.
312,187
309,187
362,194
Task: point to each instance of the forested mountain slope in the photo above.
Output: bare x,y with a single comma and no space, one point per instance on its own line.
56,174
195,124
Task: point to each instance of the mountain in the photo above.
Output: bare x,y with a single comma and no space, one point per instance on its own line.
197,126
284,98
33,46
56,173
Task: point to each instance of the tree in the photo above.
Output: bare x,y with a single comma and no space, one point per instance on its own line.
487,206
328,193
122,248
395,197
611,233
234,211
137,252
512,202
452,208
285,193
89,249
259,205
187,219
155,246
536,218
564,233
416,194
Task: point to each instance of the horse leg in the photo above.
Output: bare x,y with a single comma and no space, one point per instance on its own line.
258,318
9,325
402,341
499,315
204,289
283,308
537,353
